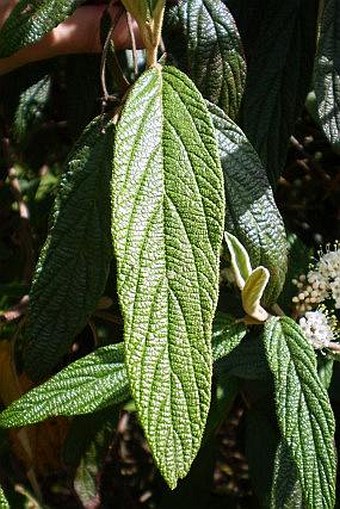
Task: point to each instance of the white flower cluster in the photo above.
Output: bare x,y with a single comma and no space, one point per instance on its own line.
321,283
318,328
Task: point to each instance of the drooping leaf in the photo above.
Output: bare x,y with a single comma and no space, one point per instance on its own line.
227,334
31,107
278,79
214,55
240,261
30,20
252,294
286,491
325,370
95,381
251,214
74,262
327,71
167,227
304,413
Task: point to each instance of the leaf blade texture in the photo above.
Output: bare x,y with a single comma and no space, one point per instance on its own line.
213,50
91,383
303,409
251,213
278,79
73,265
31,20
168,205
327,71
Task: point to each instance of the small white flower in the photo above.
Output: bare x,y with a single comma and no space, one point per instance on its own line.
316,327
329,264
335,289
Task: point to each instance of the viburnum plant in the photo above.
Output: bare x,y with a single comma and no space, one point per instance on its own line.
169,192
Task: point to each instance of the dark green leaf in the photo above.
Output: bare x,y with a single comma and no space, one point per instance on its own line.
286,491
303,410
73,266
278,78
91,383
325,370
227,334
327,71
31,107
251,213
214,58
168,208
3,502
30,20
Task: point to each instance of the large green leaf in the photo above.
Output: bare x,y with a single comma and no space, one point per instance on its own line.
214,55
91,383
286,491
73,266
303,410
278,78
327,71
168,207
251,213
30,20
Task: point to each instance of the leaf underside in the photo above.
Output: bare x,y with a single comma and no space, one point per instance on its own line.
72,269
167,227
303,409
327,72
30,20
251,213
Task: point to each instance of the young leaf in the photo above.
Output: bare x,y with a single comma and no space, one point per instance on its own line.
95,381
327,71
73,266
30,20
278,78
168,207
227,334
252,294
251,213
213,56
240,261
303,410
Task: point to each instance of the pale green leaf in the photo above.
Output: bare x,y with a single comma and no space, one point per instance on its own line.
303,409
240,261
3,502
252,294
278,78
95,381
213,55
73,265
30,20
168,207
327,71
251,213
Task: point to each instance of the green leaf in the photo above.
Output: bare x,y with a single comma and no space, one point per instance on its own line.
303,410
240,261
73,265
286,491
278,78
325,370
213,56
30,20
327,71
252,294
168,206
251,212
3,502
31,107
227,334
91,383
